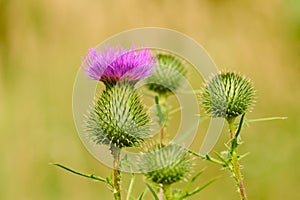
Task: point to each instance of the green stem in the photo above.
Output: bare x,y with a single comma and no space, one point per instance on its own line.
235,166
162,135
264,119
160,102
117,174
130,187
91,176
161,193
207,157
167,191
231,127
238,176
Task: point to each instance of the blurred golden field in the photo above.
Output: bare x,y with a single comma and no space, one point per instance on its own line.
41,45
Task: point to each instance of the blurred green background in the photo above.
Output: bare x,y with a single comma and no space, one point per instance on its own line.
41,44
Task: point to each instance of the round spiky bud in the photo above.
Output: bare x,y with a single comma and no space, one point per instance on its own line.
227,95
118,117
168,75
165,165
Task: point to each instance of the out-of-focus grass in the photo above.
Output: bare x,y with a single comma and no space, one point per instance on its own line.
41,44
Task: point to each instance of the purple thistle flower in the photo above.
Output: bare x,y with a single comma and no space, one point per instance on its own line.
114,64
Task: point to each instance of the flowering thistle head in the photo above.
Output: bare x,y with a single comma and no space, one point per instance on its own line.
165,165
115,63
227,95
167,76
118,117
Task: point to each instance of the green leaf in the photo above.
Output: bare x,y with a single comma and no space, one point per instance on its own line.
142,195
239,127
152,191
200,188
130,186
264,119
243,156
193,179
91,176
207,157
223,161
109,180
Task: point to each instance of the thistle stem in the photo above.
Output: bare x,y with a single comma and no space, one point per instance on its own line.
238,176
167,191
117,174
235,166
161,193
162,135
231,127
162,115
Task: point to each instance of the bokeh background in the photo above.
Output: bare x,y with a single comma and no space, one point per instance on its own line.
41,45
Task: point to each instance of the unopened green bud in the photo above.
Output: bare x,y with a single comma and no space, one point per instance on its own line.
227,95
118,117
168,75
165,165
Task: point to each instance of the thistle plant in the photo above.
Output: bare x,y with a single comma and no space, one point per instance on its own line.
118,118
229,95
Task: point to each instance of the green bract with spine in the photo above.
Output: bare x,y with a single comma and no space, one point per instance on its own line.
118,117
165,165
227,95
168,75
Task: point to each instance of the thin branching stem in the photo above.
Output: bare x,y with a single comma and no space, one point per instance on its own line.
90,176
238,176
207,157
162,135
130,186
161,115
117,174
235,168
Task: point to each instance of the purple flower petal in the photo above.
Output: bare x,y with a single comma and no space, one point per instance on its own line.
115,63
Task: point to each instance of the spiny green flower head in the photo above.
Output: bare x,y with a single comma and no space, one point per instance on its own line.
168,75
118,117
165,165
227,95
